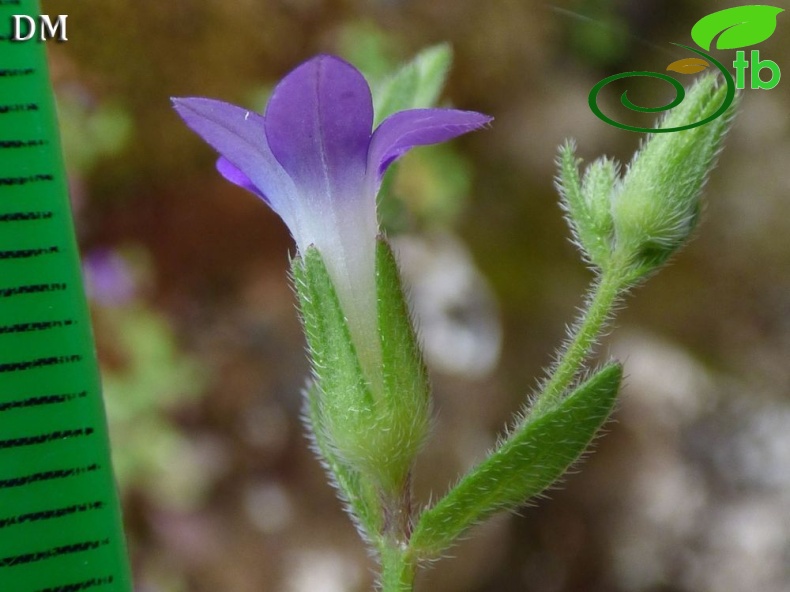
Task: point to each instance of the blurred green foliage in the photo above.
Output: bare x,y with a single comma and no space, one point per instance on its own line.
90,131
147,380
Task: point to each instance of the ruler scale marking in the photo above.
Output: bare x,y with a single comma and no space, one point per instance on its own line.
47,554
51,514
48,476
26,216
39,363
33,289
18,108
34,326
35,178
57,436
41,400
80,586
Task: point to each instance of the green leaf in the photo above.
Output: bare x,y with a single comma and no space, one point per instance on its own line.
528,462
416,85
396,93
740,26
433,65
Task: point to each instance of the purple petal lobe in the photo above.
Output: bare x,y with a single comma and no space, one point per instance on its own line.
239,136
233,174
417,127
318,124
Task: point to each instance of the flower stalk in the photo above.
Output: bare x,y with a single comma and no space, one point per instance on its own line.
398,568
604,294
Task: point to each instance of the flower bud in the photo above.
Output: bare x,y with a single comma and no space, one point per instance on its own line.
656,205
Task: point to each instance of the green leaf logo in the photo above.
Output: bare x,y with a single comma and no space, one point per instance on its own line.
740,26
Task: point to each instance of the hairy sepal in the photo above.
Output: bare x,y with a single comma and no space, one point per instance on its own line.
587,203
359,494
346,401
406,384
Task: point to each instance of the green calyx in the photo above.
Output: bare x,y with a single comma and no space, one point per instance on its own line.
371,432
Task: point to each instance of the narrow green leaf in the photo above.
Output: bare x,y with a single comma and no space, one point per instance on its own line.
740,26
433,65
396,93
416,85
528,462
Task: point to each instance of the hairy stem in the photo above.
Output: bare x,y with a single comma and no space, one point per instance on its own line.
603,296
398,568
398,565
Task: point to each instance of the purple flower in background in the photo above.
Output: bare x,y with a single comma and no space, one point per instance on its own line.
109,278
315,160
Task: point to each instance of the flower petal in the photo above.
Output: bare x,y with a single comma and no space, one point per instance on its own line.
239,136
233,174
318,124
417,127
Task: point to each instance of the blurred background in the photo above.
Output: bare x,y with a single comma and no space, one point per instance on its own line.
200,345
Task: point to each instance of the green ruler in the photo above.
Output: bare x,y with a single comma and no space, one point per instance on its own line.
60,524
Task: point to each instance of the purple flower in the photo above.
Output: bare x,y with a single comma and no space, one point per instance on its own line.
315,160
109,278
